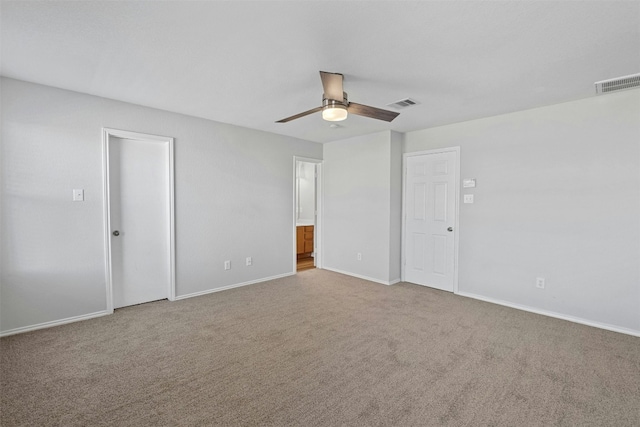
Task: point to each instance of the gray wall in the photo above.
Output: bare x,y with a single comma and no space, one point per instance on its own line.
361,195
557,196
234,198
395,226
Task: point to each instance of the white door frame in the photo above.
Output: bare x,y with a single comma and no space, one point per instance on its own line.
317,229
107,133
457,208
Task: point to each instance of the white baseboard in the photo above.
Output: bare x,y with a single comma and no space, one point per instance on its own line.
106,312
553,314
236,285
360,276
569,318
54,323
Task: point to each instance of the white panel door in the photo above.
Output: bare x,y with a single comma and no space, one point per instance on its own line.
430,210
139,220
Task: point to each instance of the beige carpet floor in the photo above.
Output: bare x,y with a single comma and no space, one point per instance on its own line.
321,349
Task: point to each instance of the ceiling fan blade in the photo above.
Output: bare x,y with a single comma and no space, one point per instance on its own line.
297,116
373,112
332,85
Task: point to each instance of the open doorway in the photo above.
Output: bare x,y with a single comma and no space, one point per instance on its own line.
306,213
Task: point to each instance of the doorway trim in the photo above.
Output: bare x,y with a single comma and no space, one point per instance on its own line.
317,229
456,213
107,133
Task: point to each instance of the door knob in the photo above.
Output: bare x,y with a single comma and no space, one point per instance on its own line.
450,229
116,233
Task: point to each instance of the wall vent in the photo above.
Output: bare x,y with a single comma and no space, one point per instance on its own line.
620,83
403,103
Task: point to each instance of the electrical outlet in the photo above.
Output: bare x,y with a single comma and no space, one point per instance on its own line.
540,282
78,195
227,265
359,256
249,260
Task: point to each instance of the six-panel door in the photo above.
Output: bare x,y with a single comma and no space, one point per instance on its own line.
430,220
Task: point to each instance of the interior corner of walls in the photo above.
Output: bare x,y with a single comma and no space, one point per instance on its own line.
359,276
397,137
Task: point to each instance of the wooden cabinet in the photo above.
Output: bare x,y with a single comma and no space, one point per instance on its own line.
304,240
299,240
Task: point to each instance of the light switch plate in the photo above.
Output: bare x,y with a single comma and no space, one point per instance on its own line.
78,195
468,183
468,198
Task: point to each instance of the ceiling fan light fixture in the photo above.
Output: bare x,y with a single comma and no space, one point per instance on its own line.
335,105
334,114
334,111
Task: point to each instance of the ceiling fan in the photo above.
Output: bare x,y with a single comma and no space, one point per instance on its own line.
335,105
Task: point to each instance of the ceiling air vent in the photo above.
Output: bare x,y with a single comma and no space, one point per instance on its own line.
403,103
620,83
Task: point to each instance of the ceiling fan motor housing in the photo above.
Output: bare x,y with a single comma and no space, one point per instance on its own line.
330,102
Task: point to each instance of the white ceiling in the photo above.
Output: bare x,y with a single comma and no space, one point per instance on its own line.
252,63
